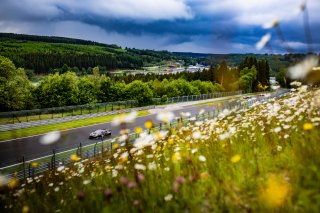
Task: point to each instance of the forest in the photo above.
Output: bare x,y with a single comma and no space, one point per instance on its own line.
65,89
44,54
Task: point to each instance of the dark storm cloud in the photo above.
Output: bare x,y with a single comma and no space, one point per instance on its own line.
177,25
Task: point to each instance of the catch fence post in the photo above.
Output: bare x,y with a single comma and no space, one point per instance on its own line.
53,160
24,168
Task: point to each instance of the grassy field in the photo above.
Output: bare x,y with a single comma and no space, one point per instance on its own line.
18,133
263,159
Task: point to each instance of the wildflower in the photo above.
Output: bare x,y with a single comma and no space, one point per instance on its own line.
123,138
301,70
12,183
168,197
124,180
56,189
235,158
60,168
277,129
263,41
202,158
307,126
115,146
272,24
86,182
224,136
80,196
279,148
124,119
50,138
196,135
50,184
75,157
166,117
132,185
136,202
138,130
304,88
107,194
275,191
140,177
139,167
152,166
295,83
275,87
148,124
204,175
3,180
25,209
176,157
34,164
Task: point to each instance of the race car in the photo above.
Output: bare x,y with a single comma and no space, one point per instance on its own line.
100,133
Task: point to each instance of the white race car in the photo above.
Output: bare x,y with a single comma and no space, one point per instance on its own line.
99,133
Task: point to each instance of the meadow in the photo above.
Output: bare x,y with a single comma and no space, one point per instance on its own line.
261,159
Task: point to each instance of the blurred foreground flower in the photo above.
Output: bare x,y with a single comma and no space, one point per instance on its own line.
275,191
263,41
75,157
3,180
165,117
307,126
272,24
168,197
235,158
301,70
124,118
50,138
25,209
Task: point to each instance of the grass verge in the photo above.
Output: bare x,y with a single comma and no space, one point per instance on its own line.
18,133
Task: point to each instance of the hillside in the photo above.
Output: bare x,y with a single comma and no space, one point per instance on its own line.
42,53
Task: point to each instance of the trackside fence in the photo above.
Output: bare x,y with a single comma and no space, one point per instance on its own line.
28,169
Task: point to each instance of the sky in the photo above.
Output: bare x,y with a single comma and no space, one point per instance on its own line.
203,26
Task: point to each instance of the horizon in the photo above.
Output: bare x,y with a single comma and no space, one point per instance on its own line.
207,27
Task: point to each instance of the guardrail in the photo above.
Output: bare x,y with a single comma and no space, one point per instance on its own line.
78,110
29,169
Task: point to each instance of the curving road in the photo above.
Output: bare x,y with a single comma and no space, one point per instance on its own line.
12,151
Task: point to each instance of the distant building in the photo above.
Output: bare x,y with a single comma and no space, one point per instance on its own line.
273,81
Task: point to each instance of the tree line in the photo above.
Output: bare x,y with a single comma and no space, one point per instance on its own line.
17,92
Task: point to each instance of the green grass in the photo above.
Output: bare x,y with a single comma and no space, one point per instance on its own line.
7,135
215,101
265,159
62,115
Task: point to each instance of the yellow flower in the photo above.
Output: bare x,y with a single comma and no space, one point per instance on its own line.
13,183
307,126
75,157
176,156
170,141
204,175
235,158
115,146
148,124
25,209
275,191
219,104
138,130
34,164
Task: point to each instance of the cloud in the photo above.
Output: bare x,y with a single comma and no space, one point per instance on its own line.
178,25
141,10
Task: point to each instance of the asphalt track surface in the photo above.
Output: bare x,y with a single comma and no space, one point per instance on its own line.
13,151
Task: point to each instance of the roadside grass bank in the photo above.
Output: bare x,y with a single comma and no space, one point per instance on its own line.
261,159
